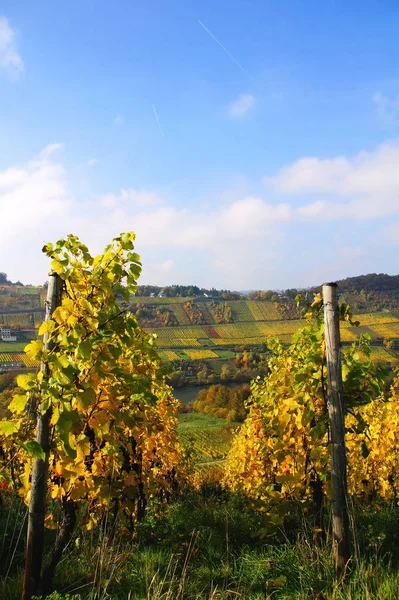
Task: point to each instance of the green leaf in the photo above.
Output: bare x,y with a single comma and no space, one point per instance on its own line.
34,449
307,416
87,397
365,450
127,240
280,581
47,327
301,377
64,425
318,431
5,477
57,267
8,428
63,361
26,381
34,349
84,349
87,306
18,403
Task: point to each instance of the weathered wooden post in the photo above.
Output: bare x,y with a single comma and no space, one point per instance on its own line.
340,511
37,504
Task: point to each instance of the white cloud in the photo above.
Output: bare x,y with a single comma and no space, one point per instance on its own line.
131,198
390,234
10,60
235,238
36,206
243,104
368,183
119,119
387,108
34,202
11,177
161,273
311,174
353,251
365,173
49,150
93,162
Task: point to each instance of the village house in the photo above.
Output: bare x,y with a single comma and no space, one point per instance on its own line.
5,334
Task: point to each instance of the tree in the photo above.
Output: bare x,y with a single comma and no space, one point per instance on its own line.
113,418
225,373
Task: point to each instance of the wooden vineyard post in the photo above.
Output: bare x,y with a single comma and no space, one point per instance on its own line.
37,504
340,512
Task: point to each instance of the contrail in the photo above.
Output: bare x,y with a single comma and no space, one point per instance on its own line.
157,119
228,54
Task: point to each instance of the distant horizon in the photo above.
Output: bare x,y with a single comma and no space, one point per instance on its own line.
237,291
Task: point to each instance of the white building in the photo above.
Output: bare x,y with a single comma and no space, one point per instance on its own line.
5,334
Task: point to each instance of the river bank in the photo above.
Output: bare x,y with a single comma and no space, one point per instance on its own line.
188,393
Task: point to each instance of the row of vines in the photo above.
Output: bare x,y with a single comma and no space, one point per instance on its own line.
98,422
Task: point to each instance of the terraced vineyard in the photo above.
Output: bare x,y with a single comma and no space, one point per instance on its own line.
385,330
206,439
18,319
255,321
379,354
263,311
180,314
169,355
201,354
240,341
16,358
241,310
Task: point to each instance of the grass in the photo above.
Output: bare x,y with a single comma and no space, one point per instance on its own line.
226,354
195,420
12,346
208,545
378,353
206,439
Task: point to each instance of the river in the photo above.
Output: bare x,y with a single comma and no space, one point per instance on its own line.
188,393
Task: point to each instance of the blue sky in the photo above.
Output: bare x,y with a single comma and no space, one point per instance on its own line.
250,144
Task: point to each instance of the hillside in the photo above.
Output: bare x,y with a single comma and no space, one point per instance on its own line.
213,328
371,282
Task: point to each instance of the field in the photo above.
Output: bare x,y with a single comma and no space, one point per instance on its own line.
12,346
379,354
201,354
253,323
156,300
8,358
263,311
229,334
385,330
169,355
206,439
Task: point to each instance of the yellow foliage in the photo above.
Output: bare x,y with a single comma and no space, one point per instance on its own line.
113,428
